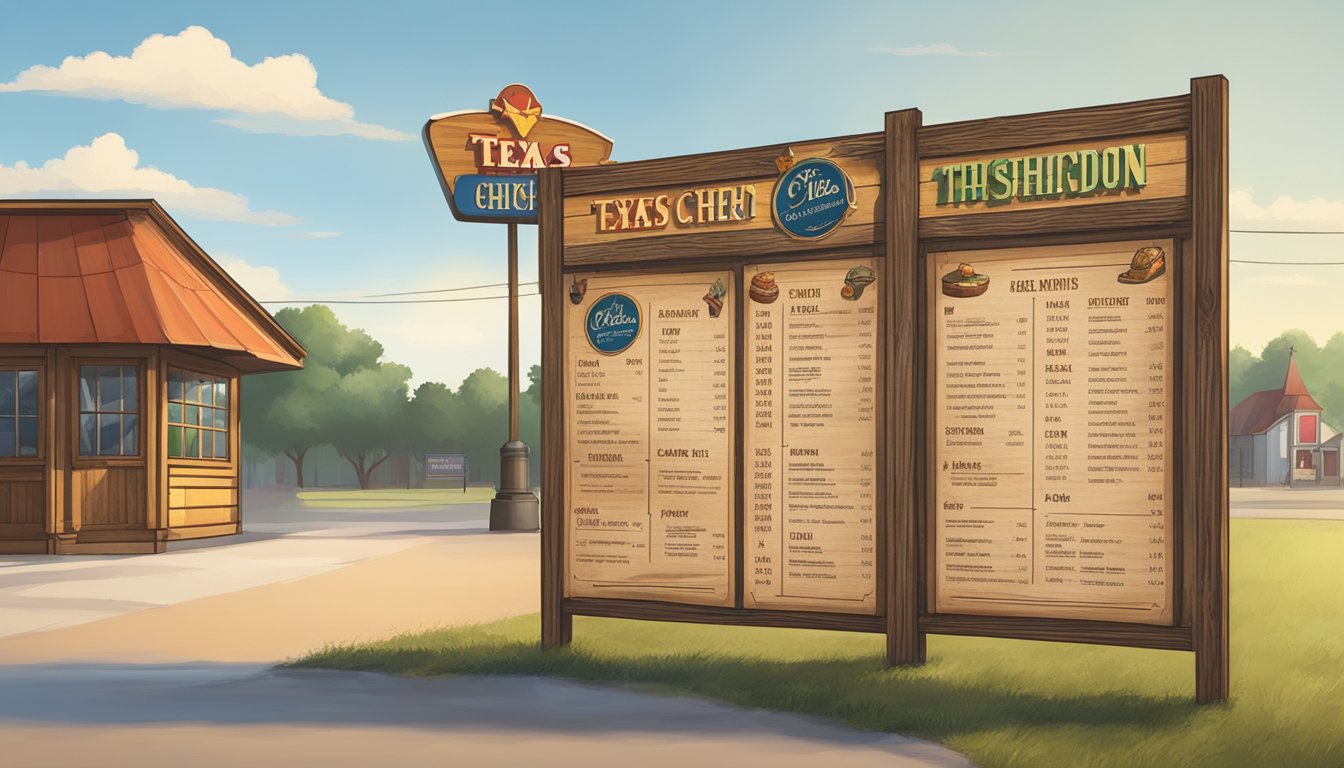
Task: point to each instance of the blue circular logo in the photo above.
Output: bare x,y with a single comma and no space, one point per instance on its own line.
812,199
612,324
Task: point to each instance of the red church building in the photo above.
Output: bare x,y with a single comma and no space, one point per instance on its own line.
1277,437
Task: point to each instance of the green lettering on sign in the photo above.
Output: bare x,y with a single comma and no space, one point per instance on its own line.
1043,177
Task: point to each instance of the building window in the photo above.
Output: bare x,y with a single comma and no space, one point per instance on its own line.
198,416
18,413
109,410
1306,429
1304,460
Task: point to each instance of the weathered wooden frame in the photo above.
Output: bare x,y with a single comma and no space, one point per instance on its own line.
901,241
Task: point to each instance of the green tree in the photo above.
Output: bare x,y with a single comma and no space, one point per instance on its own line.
529,420
1239,362
365,415
344,396
484,402
435,420
284,413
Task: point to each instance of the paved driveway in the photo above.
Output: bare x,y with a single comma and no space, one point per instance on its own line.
1288,503
166,660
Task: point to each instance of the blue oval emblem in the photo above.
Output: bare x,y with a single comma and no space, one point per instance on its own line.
613,323
813,198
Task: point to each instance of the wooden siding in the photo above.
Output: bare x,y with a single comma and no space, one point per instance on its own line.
22,502
200,495
110,497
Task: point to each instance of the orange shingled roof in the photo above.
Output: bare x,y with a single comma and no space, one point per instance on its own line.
1259,412
85,272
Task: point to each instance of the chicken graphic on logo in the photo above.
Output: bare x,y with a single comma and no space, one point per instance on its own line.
519,106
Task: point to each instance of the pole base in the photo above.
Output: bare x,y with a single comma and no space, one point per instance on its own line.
515,507
515,513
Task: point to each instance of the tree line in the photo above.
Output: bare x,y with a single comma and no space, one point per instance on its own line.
348,397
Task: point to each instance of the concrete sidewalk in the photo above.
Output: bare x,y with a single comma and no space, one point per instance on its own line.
164,660
281,542
230,715
1288,503
452,577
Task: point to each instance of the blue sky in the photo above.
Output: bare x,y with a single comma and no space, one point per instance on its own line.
359,212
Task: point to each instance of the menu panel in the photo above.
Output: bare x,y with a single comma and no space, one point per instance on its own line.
811,436
1052,431
649,371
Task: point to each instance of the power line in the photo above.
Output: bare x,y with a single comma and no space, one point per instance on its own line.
444,290
1287,231
395,301
1291,263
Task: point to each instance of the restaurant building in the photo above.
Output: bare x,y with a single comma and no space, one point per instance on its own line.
1277,437
122,344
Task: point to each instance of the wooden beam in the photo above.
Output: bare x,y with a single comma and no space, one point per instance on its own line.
1060,630
1017,131
556,622
710,167
1207,456
904,499
649,610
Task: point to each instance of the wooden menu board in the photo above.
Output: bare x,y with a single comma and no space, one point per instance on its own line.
1052,375
810,436
1071,489
650,472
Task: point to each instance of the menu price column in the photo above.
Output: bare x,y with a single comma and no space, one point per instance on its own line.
810,438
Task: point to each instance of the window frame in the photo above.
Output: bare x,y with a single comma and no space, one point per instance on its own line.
143,410
1315,432
43,416
196,373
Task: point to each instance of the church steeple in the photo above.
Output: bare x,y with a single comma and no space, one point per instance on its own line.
1292,382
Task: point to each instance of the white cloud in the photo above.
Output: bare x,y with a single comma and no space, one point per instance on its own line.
319,235
109,168
263,283
196,70
1284,212
934,49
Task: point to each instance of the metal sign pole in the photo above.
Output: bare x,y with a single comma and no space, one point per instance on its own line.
514,507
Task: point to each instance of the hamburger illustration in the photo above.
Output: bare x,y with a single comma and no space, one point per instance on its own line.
763,288
714,299
856,280
964,283
1148,264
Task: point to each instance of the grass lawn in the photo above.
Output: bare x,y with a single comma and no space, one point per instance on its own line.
392,498
1001,702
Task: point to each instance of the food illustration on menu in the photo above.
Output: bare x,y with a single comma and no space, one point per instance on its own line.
964,283
649,414
1148,264
810,437
1052,427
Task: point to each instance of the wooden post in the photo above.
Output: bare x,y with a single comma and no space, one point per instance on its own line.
556,623
1208,143
514,507
905,385
513,332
